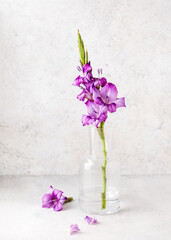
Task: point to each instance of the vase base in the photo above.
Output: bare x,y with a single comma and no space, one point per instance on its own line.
95,207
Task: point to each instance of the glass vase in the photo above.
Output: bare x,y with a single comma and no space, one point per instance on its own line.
99,174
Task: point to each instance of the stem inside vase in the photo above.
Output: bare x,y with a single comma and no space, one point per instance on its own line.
102,136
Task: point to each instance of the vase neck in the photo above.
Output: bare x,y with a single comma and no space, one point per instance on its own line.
96,141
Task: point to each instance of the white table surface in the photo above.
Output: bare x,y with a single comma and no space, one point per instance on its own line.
145,210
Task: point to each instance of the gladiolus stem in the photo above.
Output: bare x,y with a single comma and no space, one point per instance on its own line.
102,136
69,199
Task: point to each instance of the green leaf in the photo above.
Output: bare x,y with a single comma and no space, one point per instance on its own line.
81,49
86,57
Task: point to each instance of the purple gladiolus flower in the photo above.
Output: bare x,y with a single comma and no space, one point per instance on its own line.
108,97
100,82
74,228
53,198
90,220
85,76
85,94
97,113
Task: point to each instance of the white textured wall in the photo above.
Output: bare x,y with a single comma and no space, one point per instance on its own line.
40,119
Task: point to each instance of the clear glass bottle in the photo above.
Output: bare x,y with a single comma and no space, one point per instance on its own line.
99,175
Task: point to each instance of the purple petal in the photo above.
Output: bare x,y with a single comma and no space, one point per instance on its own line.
96,82
58,206
120,102
57,193
63,199
100,82
48,200
109,93
99,101
96,123
87,68
97,113
78,81
103,117
82,95
87,120
96,92
111,107
103,108
93,109
74,228
87,86
90,220
103,82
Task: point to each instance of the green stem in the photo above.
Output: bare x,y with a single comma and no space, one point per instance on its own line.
102,136
69,199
